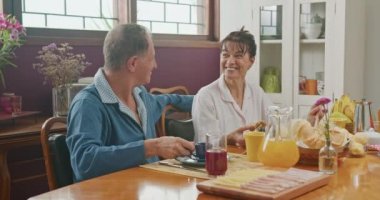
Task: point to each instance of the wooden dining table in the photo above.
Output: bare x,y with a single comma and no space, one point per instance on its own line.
357,178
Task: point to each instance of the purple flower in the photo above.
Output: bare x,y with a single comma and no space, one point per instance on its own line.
14,34
322,101
10,32
51,46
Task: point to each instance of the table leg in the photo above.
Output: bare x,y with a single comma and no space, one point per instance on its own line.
4,176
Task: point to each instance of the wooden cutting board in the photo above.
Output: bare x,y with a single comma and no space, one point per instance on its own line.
211,187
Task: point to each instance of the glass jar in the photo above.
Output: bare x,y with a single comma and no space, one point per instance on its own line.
279,148
328,159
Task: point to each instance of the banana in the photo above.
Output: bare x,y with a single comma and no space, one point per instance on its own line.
349,110
335,106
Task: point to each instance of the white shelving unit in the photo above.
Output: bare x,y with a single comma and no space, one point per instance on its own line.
290,53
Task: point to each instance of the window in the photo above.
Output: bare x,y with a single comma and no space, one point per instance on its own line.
70,14
91,19
173,16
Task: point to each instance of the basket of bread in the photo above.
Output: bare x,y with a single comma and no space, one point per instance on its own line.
311,139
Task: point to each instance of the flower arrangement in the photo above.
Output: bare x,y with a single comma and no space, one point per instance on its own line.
11,37
324,102
328,157
59,65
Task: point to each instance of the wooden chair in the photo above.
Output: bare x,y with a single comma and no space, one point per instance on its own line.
169,112
56,154
181,128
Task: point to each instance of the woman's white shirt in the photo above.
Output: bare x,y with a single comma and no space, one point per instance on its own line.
214,108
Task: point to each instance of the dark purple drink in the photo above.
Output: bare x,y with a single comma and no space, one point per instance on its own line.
216,162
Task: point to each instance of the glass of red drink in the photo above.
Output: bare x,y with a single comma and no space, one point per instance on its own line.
216,154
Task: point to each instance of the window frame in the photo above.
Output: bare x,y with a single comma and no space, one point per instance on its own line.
127,12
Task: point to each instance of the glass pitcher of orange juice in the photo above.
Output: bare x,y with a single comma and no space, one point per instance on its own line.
279,148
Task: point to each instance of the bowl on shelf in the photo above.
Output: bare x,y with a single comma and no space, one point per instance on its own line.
311,30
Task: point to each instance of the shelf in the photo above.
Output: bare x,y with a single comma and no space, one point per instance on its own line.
312,41
308,98
271,41
5,116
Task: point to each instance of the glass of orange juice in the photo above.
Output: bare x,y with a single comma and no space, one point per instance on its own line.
253,140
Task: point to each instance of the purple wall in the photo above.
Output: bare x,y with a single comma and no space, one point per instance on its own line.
191,67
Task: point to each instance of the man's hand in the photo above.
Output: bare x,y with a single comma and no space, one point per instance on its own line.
168,147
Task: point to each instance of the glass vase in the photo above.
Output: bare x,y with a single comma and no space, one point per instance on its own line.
328,159
60,100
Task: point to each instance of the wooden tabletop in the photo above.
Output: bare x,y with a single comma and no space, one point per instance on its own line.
357,178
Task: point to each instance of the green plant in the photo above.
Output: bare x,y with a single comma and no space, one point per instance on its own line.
11,37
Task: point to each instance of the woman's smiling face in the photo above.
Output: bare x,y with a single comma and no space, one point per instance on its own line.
235,61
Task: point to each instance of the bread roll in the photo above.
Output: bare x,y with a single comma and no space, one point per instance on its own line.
360,137
296,126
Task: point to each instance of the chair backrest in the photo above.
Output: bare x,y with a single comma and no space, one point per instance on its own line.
169,111
56,154
172,90
181,128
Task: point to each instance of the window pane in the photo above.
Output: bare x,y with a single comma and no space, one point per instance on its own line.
169,1
190,29
150,11
99,24
49,6
145,24
192,2
266,18
197,14
33,20
177,13
82,8
188,16
158,27
109,8
65,22
83,14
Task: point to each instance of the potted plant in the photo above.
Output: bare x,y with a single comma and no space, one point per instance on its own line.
11,37
61,68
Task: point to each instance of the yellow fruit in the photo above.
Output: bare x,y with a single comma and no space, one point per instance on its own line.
335,106
356,149
338,116
349,111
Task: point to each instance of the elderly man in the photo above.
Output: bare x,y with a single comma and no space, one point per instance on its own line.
111,122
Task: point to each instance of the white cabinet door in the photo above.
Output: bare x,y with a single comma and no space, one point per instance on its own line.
274,34
309,49
313,52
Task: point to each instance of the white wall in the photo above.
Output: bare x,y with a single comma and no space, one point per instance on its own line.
372,57
233,15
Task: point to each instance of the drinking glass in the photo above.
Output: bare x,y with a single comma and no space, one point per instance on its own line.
253,140
216,153
16,105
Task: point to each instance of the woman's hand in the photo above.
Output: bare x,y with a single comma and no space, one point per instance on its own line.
236,137
316,111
